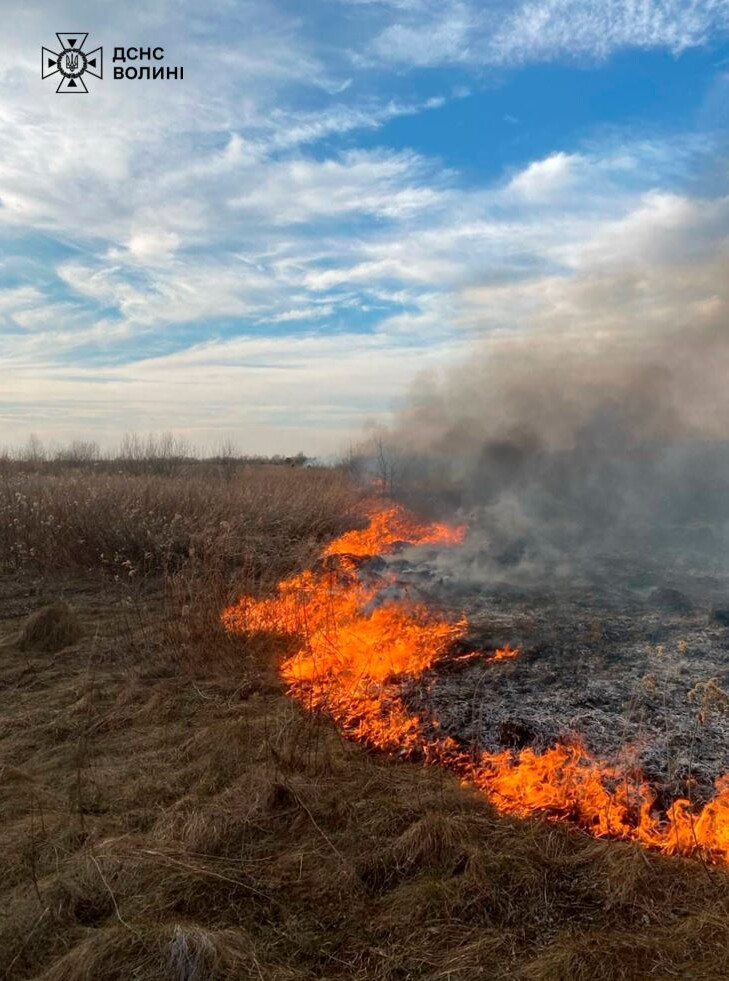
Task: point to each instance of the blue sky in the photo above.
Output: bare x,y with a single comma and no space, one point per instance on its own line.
340,196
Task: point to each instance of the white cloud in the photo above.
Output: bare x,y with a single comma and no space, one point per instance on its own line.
546,178
314,391
509,33
178,293
440,38
165,214
285,394
19,298
148,247
387,184
547,29
291,129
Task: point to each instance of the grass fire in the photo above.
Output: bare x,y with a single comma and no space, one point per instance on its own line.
262,724
354,650
364,491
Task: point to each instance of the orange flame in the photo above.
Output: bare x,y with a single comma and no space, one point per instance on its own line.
504,652
354,643
391,525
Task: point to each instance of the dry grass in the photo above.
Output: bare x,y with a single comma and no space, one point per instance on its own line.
168,814
134,526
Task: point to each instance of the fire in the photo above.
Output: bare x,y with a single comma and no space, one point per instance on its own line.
354,641
504,652
391,525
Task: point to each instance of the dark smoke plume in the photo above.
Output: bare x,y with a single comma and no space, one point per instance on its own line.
559,444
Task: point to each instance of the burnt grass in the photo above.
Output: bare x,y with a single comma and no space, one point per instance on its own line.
618,663
627,686
168,812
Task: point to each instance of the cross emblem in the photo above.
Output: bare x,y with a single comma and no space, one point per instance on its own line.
72,62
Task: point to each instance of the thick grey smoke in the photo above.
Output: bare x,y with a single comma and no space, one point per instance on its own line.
600,429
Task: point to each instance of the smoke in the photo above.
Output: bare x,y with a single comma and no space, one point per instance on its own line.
600,426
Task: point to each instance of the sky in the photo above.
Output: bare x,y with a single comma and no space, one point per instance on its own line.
341,197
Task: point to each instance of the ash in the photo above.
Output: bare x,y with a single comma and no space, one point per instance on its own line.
610,652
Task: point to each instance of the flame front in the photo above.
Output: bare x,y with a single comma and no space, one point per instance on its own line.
353,644
389,526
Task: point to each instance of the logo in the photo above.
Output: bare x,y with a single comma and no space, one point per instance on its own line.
72,63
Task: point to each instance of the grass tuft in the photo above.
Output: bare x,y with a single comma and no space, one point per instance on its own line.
50,629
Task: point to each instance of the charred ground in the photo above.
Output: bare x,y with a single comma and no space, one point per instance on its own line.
617,660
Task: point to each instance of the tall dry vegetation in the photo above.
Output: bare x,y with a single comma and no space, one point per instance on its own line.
264,519
200,535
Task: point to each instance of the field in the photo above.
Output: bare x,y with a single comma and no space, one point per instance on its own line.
169,812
